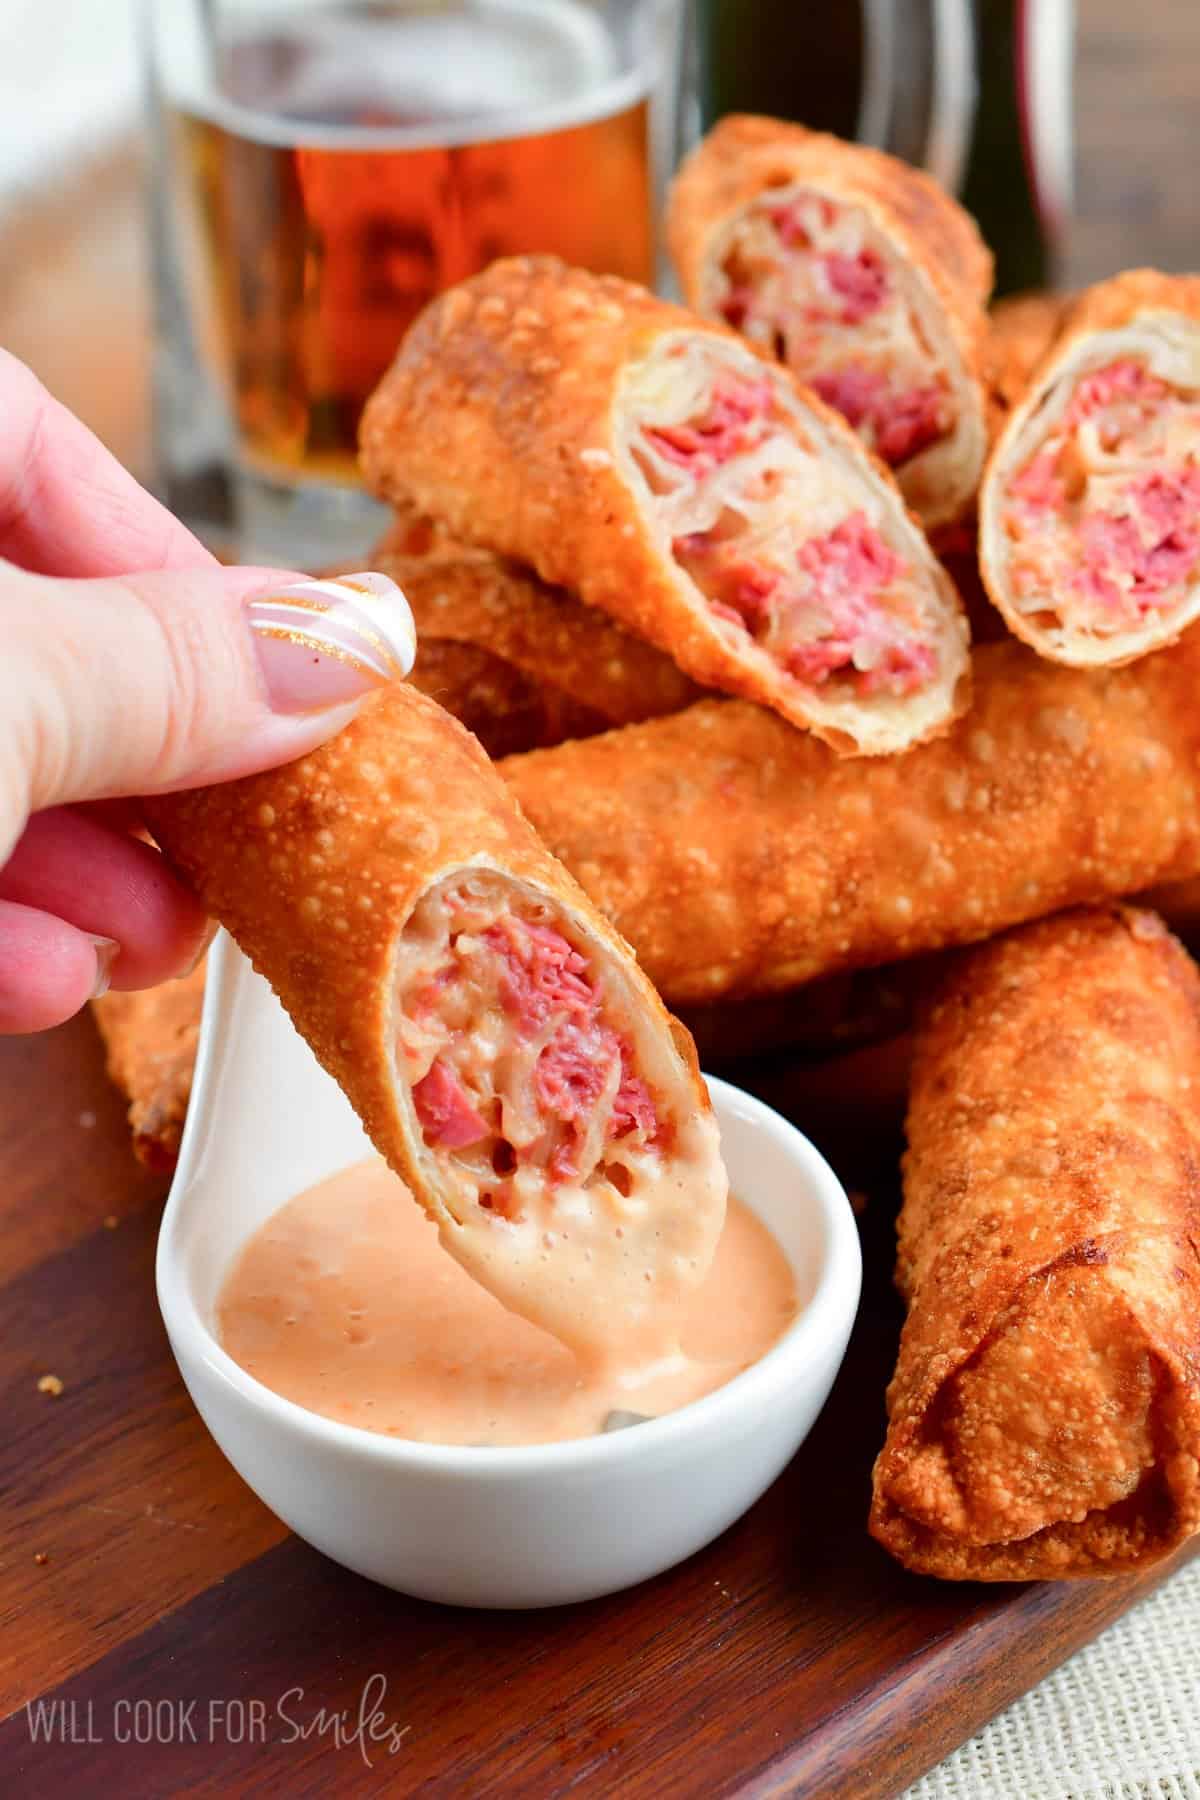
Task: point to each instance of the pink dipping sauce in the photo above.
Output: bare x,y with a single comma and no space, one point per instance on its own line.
345,1302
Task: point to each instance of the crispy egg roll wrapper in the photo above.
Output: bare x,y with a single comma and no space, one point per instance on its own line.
410,921
1044,1417
507,710
1089,509
584,671
414,533
1021,329
656,467
739,857
895,333
1178,902
150,1038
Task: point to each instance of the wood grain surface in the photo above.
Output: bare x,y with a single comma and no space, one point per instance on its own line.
791,1656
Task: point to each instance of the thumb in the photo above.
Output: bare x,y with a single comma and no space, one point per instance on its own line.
178,678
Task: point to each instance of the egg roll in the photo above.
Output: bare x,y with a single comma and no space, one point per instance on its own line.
413,533
564,669
505,709
657,468
857,272
499,1042
150,1038
1021,329
1044,1417
740,857
1089,510
1178,904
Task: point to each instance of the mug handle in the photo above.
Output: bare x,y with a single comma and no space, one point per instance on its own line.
955,93
945,144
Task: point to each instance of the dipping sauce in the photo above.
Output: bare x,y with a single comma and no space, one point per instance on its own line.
345,1302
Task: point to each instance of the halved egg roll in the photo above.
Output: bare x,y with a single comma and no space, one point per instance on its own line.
1020,331
1044,1417
1089,512
572,662
739,857
498,1040
859,273
656,467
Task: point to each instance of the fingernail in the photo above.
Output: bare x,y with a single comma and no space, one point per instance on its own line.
323,643
107,951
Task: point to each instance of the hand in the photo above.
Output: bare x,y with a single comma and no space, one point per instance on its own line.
133,663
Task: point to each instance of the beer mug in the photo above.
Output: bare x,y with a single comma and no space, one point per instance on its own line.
320,170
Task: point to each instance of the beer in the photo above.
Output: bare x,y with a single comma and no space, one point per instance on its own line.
350,162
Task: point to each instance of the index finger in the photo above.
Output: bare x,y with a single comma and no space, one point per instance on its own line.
67,507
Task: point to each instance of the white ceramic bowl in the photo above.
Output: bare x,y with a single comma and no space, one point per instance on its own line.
530,1526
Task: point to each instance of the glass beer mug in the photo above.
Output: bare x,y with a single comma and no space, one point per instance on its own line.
320,171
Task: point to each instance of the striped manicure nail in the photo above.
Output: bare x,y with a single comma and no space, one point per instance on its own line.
324,643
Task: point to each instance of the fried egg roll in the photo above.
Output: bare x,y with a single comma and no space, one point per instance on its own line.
1089,512
150,1038
498,1040
1021,329
739,857
506,710
1044,1418
858,273
503,707
659,469
529,657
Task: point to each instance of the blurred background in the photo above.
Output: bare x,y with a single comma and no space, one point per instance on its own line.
73,288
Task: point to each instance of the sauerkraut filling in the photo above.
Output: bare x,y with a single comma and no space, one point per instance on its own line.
521,1077
802,278
1102,520
775,535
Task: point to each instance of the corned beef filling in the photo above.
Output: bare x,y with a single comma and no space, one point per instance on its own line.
801,278
896,425
1103,520
516,1067
736,413
830,615
734,484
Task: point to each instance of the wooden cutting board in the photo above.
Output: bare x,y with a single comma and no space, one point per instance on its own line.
790,1656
